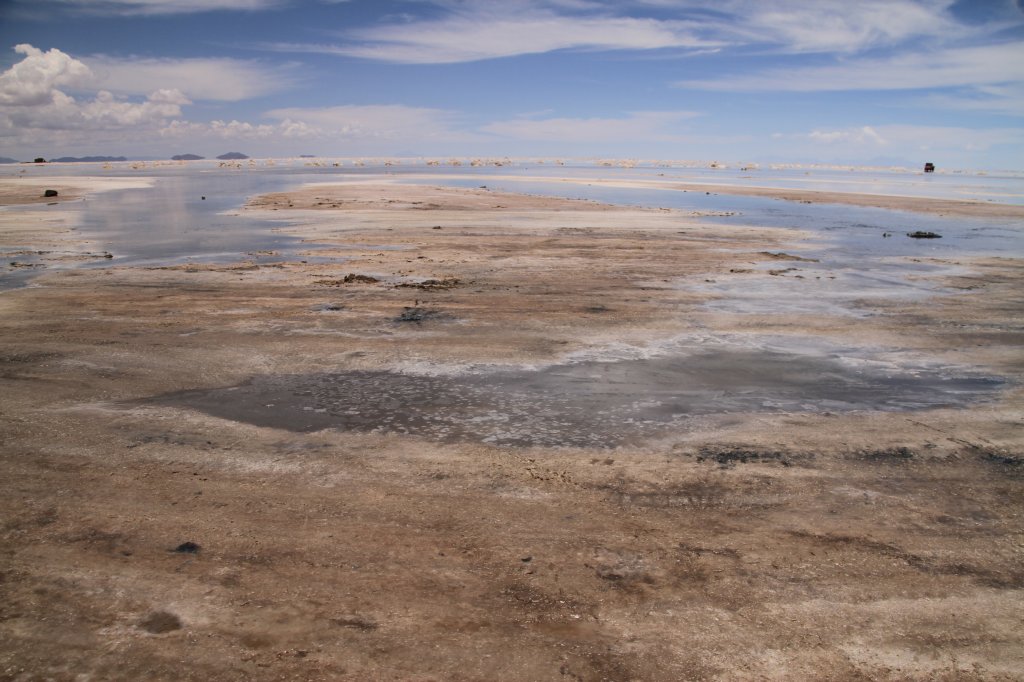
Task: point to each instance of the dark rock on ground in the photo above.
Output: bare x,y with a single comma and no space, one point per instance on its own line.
356,623
787,256
350,278
1004,459
360,279
413,314
728,456
923,235
431,284
160,622
899,454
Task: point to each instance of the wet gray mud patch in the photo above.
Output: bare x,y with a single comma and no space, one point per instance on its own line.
587,404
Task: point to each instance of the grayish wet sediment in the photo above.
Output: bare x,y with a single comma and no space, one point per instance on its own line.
588,404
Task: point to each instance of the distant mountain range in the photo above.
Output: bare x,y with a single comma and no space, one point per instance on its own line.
187,157
4,159
87,159
231,156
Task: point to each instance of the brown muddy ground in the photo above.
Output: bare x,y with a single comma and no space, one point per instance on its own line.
144,537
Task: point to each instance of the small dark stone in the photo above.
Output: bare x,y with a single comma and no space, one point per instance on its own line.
160,622
431,284
896,454
1004,459
187,548
412,315
50,193
359,279
356,623
203,198
923,235
526,559
728,456
108,255
416,314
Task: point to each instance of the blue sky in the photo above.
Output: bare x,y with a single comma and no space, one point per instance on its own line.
812,81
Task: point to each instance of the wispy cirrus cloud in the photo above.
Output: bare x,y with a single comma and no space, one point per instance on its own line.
953,144
907,141
218,79
157,7
349,129
859,136
1006,99
468,31
967,66
384,122
643,126
381,122
489,34
828,26
987,78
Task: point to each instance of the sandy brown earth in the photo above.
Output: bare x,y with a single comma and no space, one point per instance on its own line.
144,540
920,204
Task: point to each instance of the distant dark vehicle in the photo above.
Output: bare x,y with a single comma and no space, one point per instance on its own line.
232,156
929,167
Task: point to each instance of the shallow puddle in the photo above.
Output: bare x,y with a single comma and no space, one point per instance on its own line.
587,404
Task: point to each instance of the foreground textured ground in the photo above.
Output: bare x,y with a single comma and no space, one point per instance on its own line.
770,545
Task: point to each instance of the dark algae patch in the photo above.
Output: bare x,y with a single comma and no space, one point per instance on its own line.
587,404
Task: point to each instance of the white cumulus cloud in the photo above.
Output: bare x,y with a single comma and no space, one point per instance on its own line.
34,101
33,80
